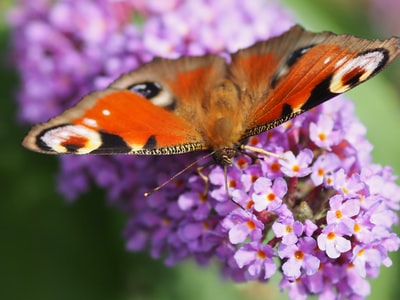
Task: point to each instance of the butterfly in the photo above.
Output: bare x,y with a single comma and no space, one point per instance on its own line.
172,106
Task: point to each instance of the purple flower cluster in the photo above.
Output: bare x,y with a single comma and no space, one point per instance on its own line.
321,214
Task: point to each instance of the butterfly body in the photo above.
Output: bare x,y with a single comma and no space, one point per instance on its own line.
171,106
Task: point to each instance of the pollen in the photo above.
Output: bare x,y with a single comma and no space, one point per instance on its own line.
338,214
254,140
250,204
166,221
275,167
242,163
331,236
299,255
251,225
321,172
271,197
295,168
206,226
322,136
232,183
253,178
360,253
357,227
289,228
261,254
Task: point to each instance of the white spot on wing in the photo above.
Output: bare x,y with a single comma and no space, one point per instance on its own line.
106,112
327,60
340,62
90,122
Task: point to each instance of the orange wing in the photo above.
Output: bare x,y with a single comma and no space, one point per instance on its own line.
151,110
114,121
287,75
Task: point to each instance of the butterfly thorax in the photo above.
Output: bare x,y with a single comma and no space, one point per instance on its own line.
222,120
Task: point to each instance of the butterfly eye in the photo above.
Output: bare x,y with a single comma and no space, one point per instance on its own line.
148,89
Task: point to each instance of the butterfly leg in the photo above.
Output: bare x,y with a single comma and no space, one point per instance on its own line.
205,178
207,183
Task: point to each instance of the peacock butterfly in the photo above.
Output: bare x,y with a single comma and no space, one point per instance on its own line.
171,106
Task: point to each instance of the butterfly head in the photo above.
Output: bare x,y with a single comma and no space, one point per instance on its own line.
224,156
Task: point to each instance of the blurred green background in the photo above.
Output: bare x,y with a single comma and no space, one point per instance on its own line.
50,249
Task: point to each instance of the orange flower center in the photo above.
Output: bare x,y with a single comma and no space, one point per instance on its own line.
275,167
299,255
206,226
331,235
261,254
251,225
250,204
289,228
296,168
271,197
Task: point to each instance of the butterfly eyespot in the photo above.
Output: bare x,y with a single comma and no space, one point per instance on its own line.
290,61
148,89
295,55
69,139
357,70
154,92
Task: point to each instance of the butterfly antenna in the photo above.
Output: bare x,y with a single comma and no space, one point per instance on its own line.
146,194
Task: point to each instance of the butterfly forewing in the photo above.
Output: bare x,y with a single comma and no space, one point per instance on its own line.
148,111
307,70
114,121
